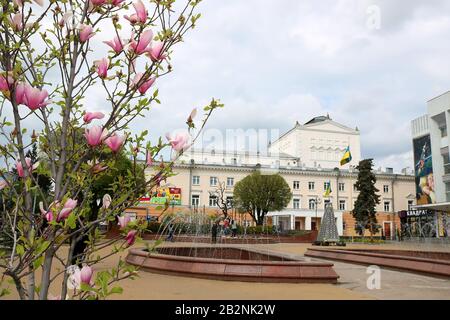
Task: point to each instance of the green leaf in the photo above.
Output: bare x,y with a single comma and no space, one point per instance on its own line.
71,221
38,262
116,290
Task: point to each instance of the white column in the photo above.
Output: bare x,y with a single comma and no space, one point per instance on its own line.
308,223
292,222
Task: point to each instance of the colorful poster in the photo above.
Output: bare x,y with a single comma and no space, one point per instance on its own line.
423,165
163,195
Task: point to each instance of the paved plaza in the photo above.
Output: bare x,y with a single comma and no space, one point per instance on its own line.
352,283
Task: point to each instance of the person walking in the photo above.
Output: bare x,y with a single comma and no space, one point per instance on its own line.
233,228
214,230
171,233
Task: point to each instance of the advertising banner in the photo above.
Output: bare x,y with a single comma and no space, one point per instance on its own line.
425,193
163,195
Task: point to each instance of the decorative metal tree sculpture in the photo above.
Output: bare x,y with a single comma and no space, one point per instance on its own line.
328,229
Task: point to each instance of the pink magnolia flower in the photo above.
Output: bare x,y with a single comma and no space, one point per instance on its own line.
102,67
116,44
67,209
3,84
95,135
145,85
89,116
140,15
30,167
3,184
131,237
97,168
142,45
98,2
149,158
48,214
20,2
155,53
16,21
124,221
86,32
116,2
33,98
86,275
180,142
106,201
115,142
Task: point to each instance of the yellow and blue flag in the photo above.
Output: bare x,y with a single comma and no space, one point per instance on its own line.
347,157
328,190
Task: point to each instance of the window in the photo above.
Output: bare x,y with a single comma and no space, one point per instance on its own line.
195,200
213,181
326,185
312,204
311,186
230,202
341,186
410,204
296,185
386,188
213,201
230,182
355,188
196,180
342,205
387,206
296,203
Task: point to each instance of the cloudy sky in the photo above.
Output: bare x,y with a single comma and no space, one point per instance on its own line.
273,62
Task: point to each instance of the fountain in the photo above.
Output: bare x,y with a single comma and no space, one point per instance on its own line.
223,261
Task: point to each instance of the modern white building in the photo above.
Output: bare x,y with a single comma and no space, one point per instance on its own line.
432,166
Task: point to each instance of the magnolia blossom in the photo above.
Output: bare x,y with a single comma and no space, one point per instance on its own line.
145,85
89,116
3,184
180,142
106,201
192,115
16,21
124,221
95,135
115,142
97,168
3,84
86,275
142,45
48,214
31,167
20,2
77,276
33,98
102,67
98,2
116,44
131,237
140,15
69,206
155,53
86,32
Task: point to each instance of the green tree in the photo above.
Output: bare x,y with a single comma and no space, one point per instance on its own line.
259,194
364,211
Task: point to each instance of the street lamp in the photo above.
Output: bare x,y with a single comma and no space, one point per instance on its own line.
317,201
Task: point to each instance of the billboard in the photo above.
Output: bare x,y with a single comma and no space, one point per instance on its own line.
163,195
423,165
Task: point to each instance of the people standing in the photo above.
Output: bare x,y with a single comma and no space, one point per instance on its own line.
171,233
214,230
234,228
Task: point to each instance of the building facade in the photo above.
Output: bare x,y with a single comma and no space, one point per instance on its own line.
432,170
308,166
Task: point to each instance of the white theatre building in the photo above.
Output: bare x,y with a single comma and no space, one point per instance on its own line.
308,158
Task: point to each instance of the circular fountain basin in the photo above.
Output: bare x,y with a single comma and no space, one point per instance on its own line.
232,263
425,262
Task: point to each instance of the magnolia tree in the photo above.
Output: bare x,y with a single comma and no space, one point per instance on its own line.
51,65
